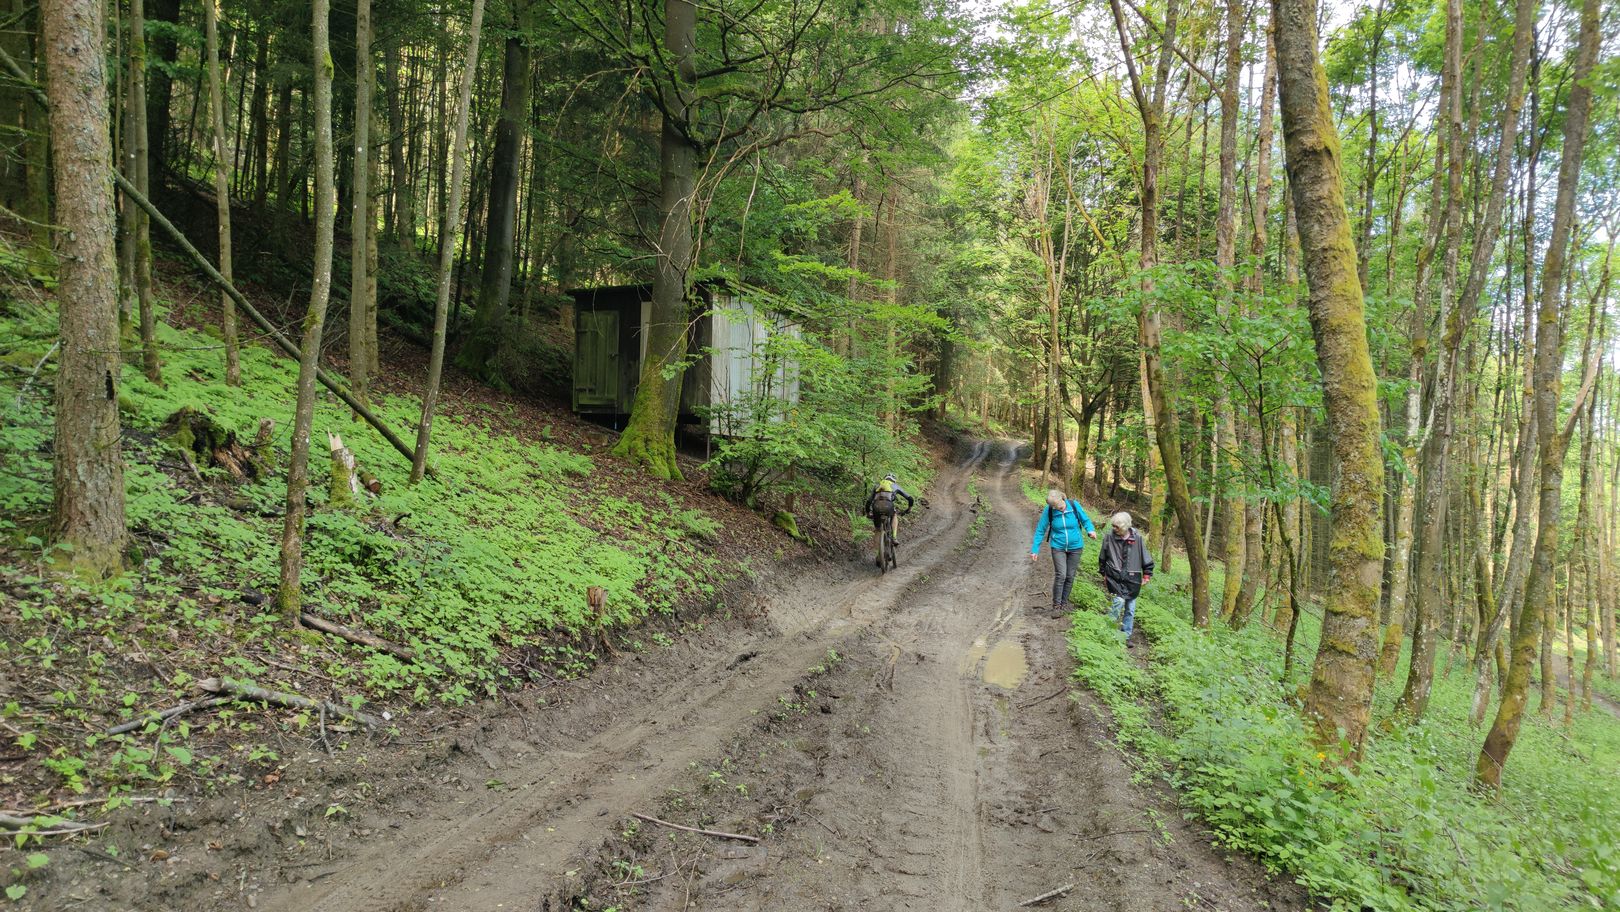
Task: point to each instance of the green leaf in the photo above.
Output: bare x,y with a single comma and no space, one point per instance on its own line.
38,860
16,892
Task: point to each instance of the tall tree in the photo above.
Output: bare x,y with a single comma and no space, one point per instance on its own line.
649,436
88,513
289,596
450,218
1225,260
1150,102
222,187
361,226
495,285
1539,587
143,182
1432,490
1339,699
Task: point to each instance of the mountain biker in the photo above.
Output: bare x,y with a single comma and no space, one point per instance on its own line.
881,507
1061,521
1126,566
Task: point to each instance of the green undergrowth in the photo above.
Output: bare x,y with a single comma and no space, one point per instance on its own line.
481,570
1403,831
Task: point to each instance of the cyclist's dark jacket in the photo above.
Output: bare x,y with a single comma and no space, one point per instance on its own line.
899,492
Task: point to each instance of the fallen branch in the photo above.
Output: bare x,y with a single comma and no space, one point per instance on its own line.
166,715
686,829
359,637
1061,690
59,827
1047,896
243,691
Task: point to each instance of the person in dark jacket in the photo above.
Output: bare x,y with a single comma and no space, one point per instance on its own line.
1062,521
1125,565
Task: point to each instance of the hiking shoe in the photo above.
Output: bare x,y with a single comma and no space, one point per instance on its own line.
1130,644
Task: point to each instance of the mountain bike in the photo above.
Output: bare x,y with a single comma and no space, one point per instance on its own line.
888,561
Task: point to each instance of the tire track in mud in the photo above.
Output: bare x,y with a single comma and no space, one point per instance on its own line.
946,768
506,848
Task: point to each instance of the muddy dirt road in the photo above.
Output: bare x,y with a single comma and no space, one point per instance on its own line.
906,741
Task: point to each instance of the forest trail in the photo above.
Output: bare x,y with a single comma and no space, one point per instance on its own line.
936,764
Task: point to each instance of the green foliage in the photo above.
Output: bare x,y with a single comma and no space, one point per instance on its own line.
1402,831
489,558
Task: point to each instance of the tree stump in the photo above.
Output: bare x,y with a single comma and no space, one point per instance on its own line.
345,484
202,441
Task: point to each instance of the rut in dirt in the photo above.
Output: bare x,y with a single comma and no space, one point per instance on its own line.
903,741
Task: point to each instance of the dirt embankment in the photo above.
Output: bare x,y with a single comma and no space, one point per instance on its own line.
905,741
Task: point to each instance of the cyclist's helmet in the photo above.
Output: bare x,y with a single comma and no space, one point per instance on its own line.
890,477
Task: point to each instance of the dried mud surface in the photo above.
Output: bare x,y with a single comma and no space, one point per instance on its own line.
899,741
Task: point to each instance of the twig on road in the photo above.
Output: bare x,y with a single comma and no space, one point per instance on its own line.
1047,896
715,833
1036,702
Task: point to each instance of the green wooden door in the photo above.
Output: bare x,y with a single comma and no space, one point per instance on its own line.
596,361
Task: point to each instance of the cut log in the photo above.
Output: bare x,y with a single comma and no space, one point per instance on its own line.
241,690
359,637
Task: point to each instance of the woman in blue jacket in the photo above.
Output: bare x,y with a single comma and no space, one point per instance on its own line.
1062,521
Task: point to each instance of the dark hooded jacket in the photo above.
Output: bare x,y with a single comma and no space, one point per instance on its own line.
1124,562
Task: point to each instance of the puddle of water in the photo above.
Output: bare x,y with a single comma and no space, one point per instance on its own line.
1006,665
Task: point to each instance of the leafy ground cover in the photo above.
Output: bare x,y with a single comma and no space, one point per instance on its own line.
1401,832
480,571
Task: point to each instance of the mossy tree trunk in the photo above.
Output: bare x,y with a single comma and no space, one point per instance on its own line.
450,220
88,510
649,436
1339,699
1493,755
289,595
1226,473
1429,521
1158,405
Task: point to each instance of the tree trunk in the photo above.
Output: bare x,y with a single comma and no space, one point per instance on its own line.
489,326
404,196
1549,387
1339,699
156,91
1253,520
1228,487
1159,405
259,116
361,226
222,188
150,363
1435,453
88,510
289,596
649,437
450,215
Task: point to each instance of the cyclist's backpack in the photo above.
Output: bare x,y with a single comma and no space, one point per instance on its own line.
883,499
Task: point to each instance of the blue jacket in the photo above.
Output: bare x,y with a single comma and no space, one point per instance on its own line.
1065,528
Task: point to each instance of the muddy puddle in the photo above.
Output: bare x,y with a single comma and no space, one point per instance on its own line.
1006,665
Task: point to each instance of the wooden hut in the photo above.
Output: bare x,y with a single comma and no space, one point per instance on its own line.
726,346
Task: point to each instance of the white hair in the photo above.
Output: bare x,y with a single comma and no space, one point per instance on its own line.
1121,520
1055,499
